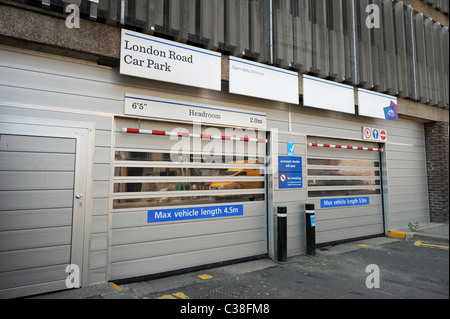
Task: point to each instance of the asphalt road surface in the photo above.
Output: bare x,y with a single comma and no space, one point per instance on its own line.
379,268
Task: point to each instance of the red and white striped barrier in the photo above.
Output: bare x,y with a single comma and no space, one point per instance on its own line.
200,136
356,148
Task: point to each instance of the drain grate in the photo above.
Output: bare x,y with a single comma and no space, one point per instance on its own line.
218,293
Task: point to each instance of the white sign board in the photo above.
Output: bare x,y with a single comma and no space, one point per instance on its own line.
375,134
328,95
263,81
144,56
377,105
138,105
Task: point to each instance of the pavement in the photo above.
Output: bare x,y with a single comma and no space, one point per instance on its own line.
436,232
415,266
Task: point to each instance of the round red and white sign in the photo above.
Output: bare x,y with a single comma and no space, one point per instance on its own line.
367,133
283,178
383,135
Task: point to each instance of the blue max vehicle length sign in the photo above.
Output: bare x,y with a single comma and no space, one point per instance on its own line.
191,213
344,202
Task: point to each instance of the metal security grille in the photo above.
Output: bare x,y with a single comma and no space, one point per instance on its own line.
155,179
219,182
343,177
187,177
345,185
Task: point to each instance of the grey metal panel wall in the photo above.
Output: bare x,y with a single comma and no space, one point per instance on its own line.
421,62
379,35
391,75
283,40
331,39
441,5
239,27
378,55
25,81
405,159
337,43
36,198
109,10
407,196
402,57
350,42
321,50
364,63
89,93
444,66
411,55
292,199
431,62
430,45
302,37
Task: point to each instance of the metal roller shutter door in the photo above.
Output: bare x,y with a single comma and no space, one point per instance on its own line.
154,174
346,187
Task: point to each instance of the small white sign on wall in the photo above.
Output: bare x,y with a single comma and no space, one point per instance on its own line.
147,106
377,105
375,134
263,81
145,56
328,95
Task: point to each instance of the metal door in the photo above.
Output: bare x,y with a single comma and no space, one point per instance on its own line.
41,206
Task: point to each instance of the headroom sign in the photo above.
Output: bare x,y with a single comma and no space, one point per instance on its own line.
145,56
147,106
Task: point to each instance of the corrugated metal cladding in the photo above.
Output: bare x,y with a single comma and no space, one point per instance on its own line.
234,26
406,56
441,5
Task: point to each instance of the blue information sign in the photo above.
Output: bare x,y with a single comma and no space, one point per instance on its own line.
290,148
344,202
376,134
289,164
290,172
290,180
176,214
